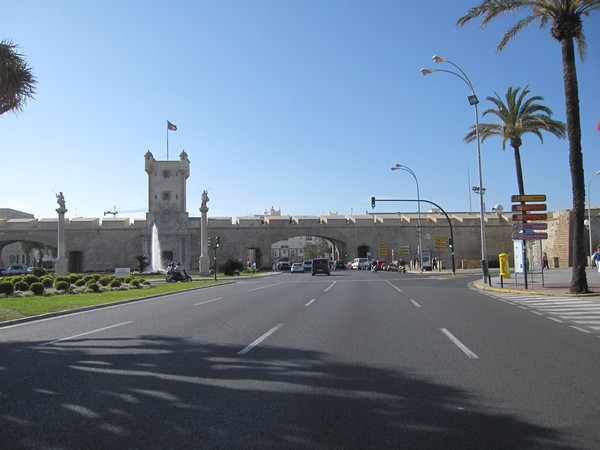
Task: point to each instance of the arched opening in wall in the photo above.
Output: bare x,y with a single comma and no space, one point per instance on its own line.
166,256
253,258
300,248
363,251
27,254
75,262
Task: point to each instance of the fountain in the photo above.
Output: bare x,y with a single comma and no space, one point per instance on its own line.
157,263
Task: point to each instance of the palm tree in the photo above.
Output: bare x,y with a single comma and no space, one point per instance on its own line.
518,116
565,17
17,83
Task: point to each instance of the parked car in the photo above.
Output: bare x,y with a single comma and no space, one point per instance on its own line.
320,265
307,264
297,268
360,264
284,265
339,265
15,270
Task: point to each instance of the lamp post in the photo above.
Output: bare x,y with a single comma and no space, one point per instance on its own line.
472,101
407,169
590,215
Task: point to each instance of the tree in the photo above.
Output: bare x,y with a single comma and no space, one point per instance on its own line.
566,19
141,262
518,116
17,83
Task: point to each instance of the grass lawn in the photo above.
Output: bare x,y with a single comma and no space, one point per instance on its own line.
16,308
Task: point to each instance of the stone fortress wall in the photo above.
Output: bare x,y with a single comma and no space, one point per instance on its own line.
97,245
93,244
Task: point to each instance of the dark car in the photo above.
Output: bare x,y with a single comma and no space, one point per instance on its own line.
339,265
320,265
284,265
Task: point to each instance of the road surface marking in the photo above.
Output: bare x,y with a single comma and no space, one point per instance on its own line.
85,334
392,285
459,344
330,286
260,339
263,287
208,301
311,302
415,303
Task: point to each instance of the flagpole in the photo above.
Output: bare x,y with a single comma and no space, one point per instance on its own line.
167,140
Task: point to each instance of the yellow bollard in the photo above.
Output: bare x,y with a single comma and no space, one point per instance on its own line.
504,269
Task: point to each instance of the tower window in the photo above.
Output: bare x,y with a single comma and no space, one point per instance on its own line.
166,195
166,174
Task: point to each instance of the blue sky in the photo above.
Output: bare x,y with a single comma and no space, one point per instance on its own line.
302,105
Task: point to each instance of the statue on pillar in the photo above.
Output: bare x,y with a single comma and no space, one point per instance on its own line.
205,200
60,199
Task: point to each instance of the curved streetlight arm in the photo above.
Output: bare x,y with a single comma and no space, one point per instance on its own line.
427,71
409,170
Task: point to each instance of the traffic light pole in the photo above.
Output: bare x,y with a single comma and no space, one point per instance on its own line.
451,241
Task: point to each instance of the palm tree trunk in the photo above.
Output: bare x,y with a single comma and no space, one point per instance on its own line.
578,278
519,170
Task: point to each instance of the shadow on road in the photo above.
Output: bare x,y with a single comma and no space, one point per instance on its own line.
176,393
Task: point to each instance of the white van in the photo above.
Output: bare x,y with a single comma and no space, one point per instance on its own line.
360,264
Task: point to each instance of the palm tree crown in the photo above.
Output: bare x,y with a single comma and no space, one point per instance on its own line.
17,83
518,116
566,19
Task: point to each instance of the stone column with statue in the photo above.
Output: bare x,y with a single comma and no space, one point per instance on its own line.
62,264
204,261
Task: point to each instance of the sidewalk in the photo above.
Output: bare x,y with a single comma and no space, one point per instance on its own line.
550,282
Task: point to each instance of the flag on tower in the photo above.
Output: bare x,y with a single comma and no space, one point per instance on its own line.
171,127
598,126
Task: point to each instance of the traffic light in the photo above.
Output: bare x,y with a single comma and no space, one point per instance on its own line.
373,202
209,242
218,242
450,243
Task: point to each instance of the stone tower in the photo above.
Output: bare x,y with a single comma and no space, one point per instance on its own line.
167,208
167,186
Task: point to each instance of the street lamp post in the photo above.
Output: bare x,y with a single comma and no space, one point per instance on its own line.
407,169
590,215
472,101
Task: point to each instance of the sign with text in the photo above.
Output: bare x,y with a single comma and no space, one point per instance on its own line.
519,236
530,226
528,198
533,216
529,207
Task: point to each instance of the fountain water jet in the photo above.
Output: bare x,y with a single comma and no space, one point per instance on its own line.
157,263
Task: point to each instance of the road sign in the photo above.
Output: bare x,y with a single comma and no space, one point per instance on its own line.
404,250
383,249
528,198
529,207
441,242
520,236
530,226
520,217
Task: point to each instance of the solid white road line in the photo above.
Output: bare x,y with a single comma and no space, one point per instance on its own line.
85,334
260,339
459,344
263,287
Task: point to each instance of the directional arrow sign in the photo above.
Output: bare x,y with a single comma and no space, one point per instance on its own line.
530,207
519,217
528,198
519,236
530,226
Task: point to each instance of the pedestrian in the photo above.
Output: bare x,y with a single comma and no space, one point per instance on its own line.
545,261
596,258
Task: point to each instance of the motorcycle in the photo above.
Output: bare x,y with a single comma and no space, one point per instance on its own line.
174,277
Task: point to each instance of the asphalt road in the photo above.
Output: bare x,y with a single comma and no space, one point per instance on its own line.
353,360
